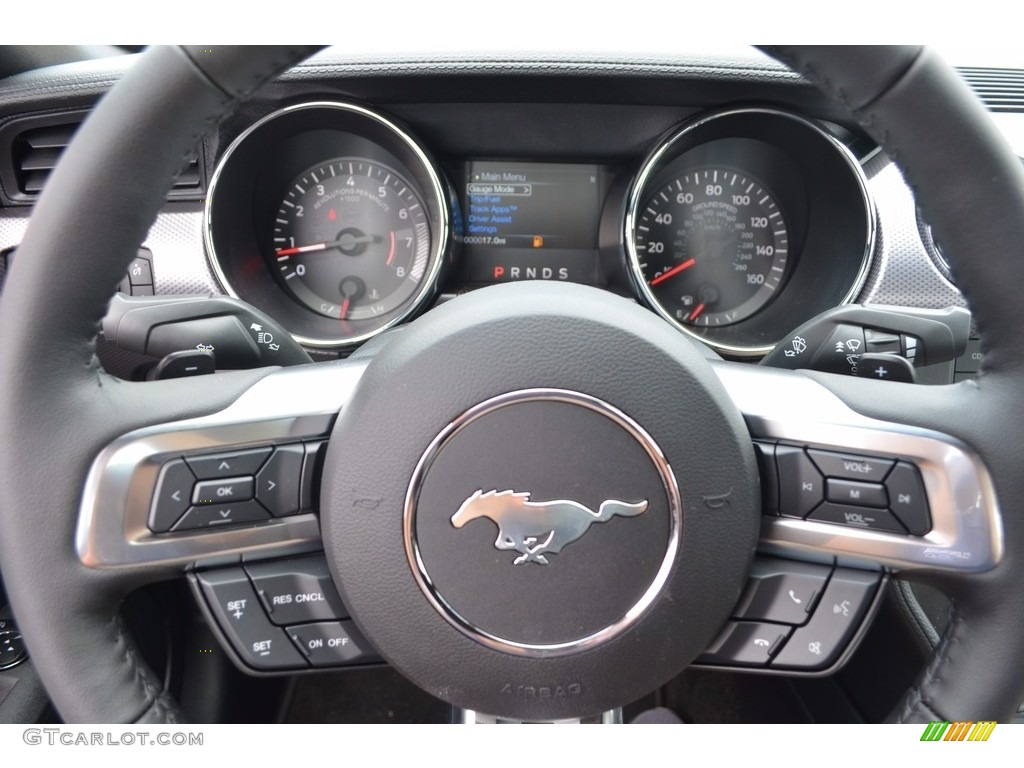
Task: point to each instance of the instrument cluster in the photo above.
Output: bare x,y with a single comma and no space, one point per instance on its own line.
736,226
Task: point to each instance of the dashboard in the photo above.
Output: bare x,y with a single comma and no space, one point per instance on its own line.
725,195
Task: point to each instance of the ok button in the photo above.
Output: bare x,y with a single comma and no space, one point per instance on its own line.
222,491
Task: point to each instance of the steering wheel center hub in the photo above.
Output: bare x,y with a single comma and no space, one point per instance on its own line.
542,522
500,504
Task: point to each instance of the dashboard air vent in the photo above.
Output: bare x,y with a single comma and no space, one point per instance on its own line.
1002,90
32,146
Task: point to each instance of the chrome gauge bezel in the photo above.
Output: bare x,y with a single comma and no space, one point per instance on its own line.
700,133
395,140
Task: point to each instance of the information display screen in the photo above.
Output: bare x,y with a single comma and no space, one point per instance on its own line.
531,221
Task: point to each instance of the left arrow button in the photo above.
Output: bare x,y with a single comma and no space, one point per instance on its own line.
171,499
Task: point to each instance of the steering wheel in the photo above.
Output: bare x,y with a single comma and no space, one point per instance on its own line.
547,361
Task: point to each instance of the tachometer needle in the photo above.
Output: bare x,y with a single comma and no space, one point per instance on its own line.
671,273
345,242
286,252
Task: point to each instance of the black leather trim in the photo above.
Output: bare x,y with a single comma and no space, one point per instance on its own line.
970,185
219,64
856,75
58,408
924,632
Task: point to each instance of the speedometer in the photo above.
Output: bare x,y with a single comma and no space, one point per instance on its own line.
711,245
742,224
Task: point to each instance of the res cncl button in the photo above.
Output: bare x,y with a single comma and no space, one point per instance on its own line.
297,591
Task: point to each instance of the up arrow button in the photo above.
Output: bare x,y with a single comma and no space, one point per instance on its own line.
233,464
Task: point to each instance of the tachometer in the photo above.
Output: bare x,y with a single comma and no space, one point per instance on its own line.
711,245
351,239
332,219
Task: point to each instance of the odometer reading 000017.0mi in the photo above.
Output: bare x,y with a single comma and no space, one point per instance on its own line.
351,239
711,246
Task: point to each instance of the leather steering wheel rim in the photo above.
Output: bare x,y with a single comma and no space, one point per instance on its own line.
56,402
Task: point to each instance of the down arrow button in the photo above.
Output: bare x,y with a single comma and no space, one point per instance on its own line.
277,484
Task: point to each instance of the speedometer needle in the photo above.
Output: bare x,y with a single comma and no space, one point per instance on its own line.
671,273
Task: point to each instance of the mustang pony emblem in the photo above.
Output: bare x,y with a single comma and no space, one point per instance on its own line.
535,529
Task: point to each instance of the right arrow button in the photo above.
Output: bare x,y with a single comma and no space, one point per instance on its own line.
277,484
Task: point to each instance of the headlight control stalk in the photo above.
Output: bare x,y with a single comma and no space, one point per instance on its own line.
195,334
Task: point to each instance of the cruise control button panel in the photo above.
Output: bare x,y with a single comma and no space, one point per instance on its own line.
878,493
206,490
282,615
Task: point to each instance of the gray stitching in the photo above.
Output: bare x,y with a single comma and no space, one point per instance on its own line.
154,695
